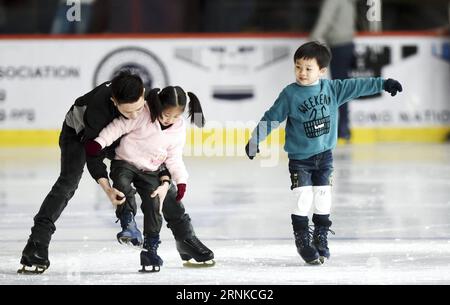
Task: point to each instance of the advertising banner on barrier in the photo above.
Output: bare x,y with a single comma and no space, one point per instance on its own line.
236,79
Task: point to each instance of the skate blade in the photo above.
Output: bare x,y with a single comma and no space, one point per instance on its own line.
129,243
316,262
153,270
323,259
36,270
194,264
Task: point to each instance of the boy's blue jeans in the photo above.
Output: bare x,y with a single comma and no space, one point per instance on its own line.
316,170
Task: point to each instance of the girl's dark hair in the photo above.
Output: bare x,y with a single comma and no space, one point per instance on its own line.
174,96
314,49
127,87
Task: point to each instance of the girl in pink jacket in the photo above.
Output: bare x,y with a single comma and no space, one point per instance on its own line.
155,137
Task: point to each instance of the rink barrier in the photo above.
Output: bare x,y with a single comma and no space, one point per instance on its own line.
239,137
426,122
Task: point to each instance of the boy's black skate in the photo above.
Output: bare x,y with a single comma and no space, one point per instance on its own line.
194,248
149,256
130,234
302,235
34,255
320,241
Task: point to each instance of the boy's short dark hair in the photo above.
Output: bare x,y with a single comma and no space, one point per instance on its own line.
314,49
127,87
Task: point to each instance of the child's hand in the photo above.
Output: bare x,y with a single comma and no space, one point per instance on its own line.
392,86
251,150
181,190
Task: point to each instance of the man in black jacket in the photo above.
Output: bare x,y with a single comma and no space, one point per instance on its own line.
123,96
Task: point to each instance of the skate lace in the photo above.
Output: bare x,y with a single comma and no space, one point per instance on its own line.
152,245
126,220
197,243
303,237
320,235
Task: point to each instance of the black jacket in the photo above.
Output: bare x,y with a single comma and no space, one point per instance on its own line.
88,116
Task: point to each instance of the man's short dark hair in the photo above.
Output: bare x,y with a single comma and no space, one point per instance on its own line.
314,49
127,87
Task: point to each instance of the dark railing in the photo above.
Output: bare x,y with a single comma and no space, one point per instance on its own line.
206,16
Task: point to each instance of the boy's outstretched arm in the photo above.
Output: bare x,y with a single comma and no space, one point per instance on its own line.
349,89
271,119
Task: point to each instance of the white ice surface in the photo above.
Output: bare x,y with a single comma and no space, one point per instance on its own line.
391,215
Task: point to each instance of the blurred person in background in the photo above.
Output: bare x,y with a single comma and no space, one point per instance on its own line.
2,16
446,29
140,16
336,27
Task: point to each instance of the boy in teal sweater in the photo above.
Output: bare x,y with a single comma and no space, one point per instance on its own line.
310,106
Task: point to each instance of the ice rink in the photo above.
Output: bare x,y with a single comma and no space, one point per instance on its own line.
391,215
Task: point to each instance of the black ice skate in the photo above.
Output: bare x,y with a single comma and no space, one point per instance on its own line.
302,235
192,248
130,234
34,255
320,242
149,256
322,225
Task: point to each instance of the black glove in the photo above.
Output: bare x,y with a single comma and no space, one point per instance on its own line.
392,86
251,149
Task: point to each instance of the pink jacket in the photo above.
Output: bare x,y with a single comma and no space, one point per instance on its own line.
146,146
